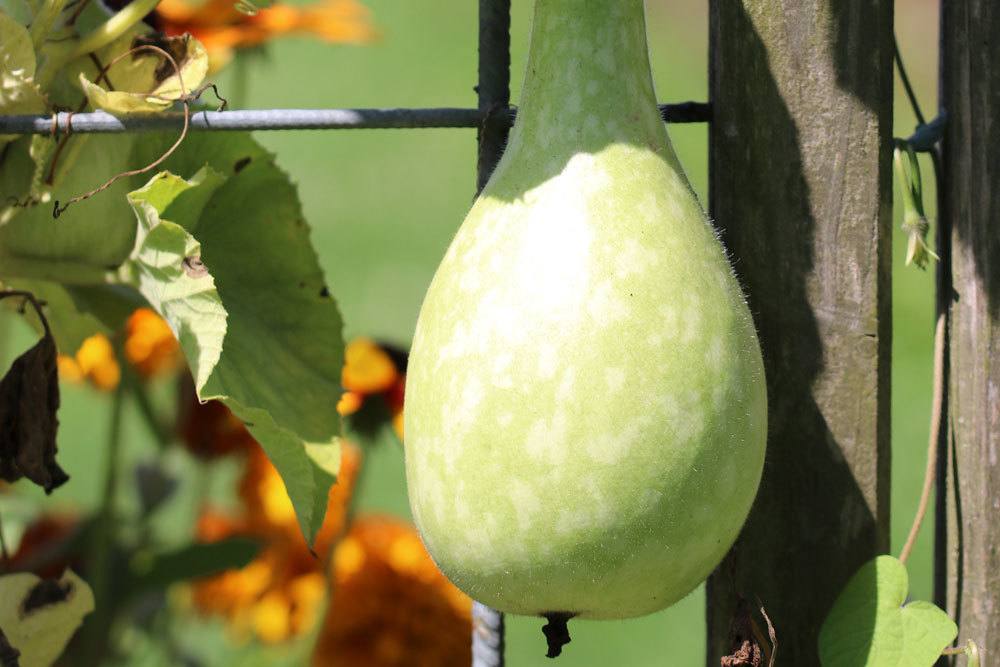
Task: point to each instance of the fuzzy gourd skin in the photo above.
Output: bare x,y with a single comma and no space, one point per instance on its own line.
585,404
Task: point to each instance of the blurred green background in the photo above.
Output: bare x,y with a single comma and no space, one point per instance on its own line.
384,204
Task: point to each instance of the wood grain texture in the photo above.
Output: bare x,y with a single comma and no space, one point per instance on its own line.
968,576
801,190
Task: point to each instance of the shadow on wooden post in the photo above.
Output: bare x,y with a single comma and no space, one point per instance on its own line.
800,184
967,572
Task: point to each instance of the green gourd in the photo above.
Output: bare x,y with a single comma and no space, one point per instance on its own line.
586,411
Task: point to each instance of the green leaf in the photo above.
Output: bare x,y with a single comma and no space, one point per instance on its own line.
93,236
76,313
16,50
225,258
927,631
19,10
144,81
157,572
16,167
18,92
868,626
39,617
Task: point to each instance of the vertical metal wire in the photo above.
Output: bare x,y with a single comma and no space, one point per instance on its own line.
494,101
494,84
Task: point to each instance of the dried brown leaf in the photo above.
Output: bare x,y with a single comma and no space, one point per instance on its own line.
29,400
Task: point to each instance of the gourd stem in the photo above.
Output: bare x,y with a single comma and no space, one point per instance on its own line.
556,632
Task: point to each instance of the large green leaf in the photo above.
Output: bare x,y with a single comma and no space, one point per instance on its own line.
18,92
17,53
869,627
225,257
93,236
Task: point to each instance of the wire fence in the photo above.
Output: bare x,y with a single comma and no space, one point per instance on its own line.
101,122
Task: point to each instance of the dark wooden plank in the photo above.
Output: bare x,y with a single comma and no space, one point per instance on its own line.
801,189
968,576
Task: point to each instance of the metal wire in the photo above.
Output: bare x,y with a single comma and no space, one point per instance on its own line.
290,119
493,89
487,636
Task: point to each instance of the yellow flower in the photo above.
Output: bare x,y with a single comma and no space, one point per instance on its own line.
278,595
94,361
368,369
349,403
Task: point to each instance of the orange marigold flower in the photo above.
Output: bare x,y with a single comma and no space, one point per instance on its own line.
368,369
222,29
150,345
349,403
209,430
394,398
279,594
94,361
391,605
270,511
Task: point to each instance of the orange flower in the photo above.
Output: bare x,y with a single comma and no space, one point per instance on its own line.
150,345
222,29
370,370
391,605
94,361
278,595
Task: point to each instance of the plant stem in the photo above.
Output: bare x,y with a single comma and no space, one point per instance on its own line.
147,411
42,24
102,542
114,27
930,472
907,86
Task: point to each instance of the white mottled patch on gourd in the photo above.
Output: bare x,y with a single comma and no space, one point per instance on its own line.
546,440
526,503
548,359
614,379
610,448
566,385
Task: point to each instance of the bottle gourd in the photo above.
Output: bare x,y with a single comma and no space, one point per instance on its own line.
585,404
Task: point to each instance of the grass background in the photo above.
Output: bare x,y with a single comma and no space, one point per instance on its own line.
383,206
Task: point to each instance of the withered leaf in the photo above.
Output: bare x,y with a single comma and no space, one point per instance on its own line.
745,650
8,654
29,399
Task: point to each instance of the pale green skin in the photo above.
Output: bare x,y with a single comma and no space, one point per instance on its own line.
585,402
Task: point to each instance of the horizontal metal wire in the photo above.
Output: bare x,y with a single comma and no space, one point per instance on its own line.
285,119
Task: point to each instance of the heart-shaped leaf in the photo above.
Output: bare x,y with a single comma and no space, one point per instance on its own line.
868,625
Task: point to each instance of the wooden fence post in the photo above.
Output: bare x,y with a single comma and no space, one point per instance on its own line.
967,578
800,186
